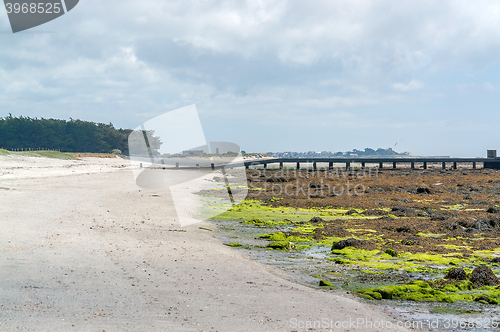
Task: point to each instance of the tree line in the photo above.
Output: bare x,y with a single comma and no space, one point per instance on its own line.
68,136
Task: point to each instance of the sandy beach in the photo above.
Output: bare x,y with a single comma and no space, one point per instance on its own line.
82,248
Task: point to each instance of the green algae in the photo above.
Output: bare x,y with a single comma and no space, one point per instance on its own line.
280,245
454,247
280,236
360,230
249,209
430,234
438,259
323,283
455,207
306,228
233,244
452,311
409,262
360,254
327,241
371,272
415,291
259,222
438,290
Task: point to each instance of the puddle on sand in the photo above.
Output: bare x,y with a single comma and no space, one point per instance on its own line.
448,317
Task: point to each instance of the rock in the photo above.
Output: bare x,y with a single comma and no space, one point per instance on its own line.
351,242
405,229
398,210
449,226
281,245
456,274
483,276
483,299
480,226
314,186
495,260
467,222
493,210
409,241
316,219
495,222
374,295
423,190
435,216
391,252
375,213
386,292
325,283
348,213
276,179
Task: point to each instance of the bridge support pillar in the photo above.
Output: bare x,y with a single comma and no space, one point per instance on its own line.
412,165
363,164
314,166
265,165
213,166
347,165
247,166
281,165
330,165
474,166
443,165
425,165
491,165
380,165
394,164
298,165
454,165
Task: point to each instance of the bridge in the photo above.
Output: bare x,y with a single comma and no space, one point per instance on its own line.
198,162
423,162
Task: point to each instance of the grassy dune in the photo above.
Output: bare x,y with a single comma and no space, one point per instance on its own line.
56,154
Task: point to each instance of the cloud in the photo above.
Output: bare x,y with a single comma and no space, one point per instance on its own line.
488,86
412,85
125,61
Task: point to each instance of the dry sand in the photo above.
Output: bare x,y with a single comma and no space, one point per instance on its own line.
82,248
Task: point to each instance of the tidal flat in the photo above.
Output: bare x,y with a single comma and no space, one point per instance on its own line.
425,242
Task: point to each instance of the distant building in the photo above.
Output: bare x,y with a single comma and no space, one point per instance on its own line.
193,152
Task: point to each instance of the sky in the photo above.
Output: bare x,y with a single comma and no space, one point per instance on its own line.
278,75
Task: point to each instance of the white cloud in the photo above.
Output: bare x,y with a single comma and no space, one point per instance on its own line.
234,59
488,86
412,85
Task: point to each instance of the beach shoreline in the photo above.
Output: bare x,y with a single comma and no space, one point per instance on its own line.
83,248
